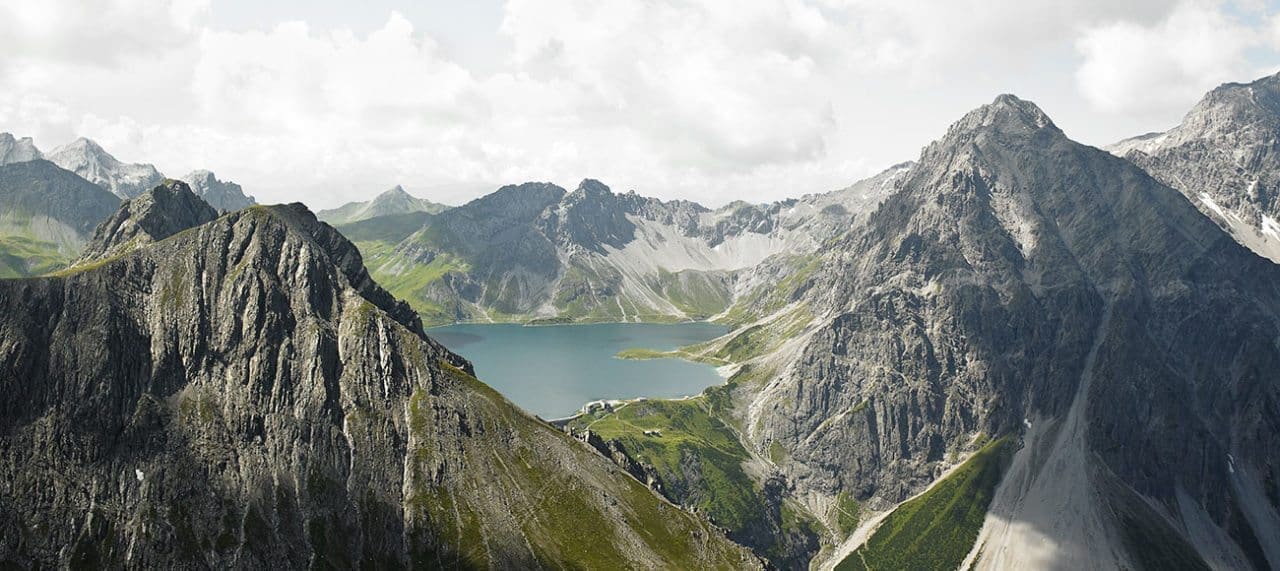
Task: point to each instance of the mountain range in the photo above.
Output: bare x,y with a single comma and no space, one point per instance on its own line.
538,252
235,391
91,162
1015,352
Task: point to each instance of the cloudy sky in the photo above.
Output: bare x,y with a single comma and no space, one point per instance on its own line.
326,100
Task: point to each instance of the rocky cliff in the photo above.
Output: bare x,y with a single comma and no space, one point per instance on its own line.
242,394
153,216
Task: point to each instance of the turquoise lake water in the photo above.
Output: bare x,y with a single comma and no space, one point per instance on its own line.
553,370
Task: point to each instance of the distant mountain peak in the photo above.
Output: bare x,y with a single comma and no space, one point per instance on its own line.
591,186
88,159
395,194
222,195
393,201
1223,157
87,144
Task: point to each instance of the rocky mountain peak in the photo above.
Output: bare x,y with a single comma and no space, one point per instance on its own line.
1231,108
86,145
525,200
15,150
593,187
153,216
393,196
590,217
1223,158
1007,114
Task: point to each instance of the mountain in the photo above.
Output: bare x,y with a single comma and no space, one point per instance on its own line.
537,252
89,160
17,150
242,394
224,196
47,214
1224,157
1031,355
392,202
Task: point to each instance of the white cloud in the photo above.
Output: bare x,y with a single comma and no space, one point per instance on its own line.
106,32
1166,66
707,99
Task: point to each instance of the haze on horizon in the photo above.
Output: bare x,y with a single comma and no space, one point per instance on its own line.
328,101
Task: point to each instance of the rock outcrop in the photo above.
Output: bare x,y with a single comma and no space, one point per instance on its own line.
153,216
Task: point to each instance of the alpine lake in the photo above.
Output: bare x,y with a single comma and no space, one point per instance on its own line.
553,370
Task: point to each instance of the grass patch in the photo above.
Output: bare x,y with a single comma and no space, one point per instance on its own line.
22,256
777,454
762,302
689,436
698,294
639,354
848,513
411,281
937,529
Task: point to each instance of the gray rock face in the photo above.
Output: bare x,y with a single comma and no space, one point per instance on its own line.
1019,283
242,394
153,216
89,160
14,150
224,196
1225,156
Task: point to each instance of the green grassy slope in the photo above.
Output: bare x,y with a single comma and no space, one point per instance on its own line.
23,256
936,530
700,462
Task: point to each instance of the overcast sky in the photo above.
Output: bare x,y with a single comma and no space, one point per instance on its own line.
325,101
